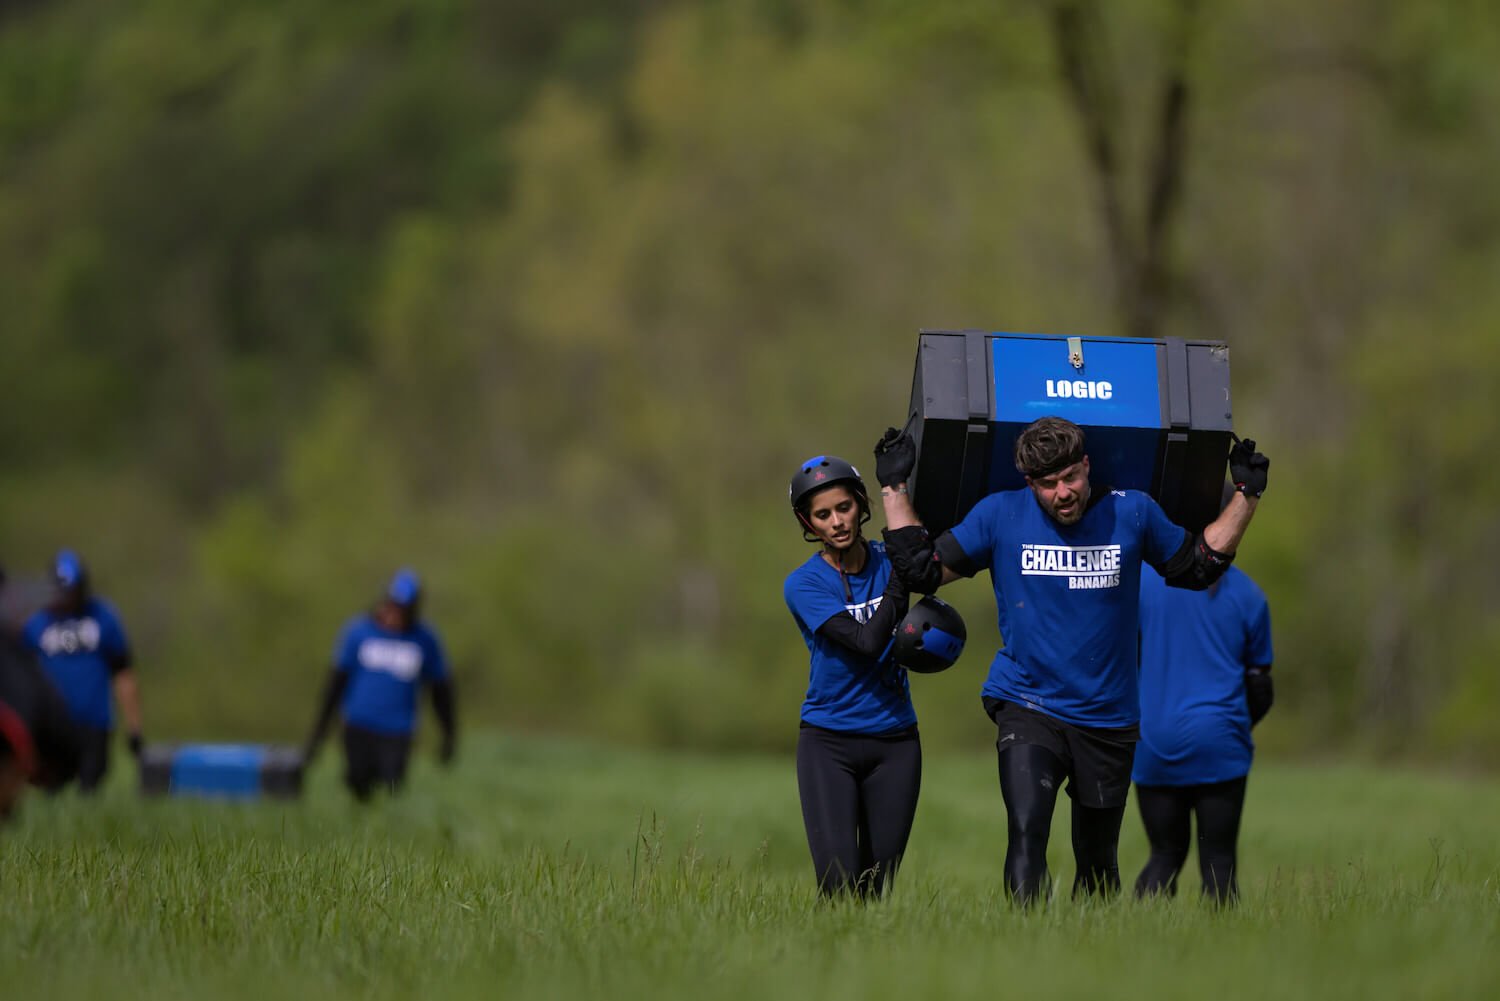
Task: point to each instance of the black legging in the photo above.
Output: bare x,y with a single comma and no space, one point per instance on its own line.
374,761
1029,779
93,757
1166,812
859,797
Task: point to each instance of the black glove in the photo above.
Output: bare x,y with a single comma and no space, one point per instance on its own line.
447,749
136,743
1247,467
895,457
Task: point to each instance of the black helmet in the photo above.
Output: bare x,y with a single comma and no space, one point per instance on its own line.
825,471
930,638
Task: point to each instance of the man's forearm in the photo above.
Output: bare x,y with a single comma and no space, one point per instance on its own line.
899,512
1224,533
128,695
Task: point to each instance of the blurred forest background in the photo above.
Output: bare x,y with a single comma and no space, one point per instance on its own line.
547,298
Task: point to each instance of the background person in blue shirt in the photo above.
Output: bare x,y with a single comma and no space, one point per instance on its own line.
1205,681
859,758
82,647
1065,560
380,661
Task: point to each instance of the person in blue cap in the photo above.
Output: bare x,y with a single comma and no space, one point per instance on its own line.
380,661
1205,681
859,756
83,649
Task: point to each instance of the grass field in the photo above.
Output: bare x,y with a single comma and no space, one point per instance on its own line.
542,868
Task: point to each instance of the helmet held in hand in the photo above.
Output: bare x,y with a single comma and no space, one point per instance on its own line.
930,638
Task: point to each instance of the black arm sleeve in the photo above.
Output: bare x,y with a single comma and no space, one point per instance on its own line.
442,704
333,690
870,638
919,561
1195,565
1258,692
121,661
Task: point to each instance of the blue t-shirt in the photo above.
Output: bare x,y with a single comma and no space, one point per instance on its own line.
80,653
846,690
385,670
1067,596
1195,647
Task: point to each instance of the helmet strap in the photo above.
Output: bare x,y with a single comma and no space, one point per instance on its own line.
836,557
843,576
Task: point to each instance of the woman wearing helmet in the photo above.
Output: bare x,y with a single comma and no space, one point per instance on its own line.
859,759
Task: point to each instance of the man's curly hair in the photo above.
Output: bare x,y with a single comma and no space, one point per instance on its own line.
1048,445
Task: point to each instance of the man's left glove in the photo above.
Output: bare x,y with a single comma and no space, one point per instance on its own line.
1247,467
447,749
136,743
895,457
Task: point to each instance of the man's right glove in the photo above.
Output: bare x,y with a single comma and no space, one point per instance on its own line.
1247,467
895,457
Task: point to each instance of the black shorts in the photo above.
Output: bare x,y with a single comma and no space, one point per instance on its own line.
374,760
1098,758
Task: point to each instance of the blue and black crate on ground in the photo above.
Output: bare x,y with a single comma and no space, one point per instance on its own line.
221,771
1156,412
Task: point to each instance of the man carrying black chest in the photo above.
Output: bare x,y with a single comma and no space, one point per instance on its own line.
1065,560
